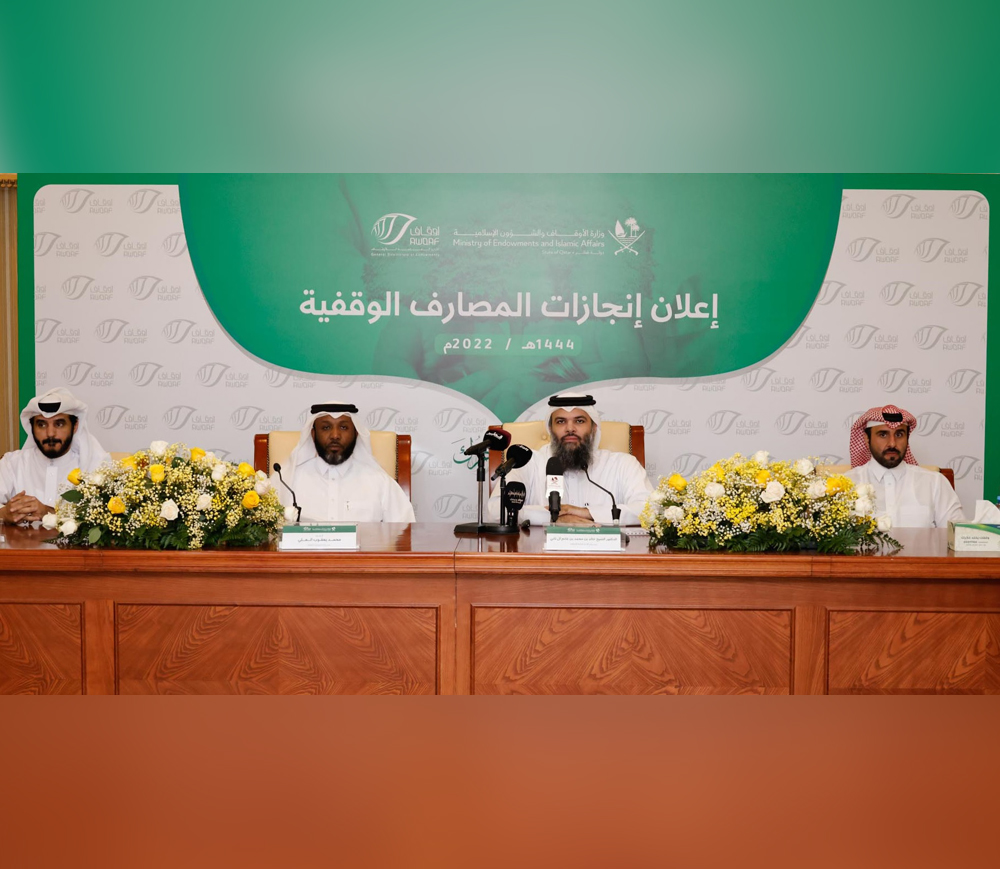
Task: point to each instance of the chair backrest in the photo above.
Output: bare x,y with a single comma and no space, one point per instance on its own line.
948,473
619,437
391,451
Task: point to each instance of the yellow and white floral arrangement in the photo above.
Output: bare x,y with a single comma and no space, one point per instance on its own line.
758,505
167,497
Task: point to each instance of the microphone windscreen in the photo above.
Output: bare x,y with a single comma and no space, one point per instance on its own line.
498,439
554,468
277,467
518,455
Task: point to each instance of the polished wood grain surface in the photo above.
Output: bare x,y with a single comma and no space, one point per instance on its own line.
41,649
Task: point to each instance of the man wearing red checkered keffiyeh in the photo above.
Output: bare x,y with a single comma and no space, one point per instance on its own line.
885,471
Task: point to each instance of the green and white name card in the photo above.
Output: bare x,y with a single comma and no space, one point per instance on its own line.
318,538
572,538
973,537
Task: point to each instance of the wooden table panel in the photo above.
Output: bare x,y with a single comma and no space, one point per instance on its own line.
562,650
41,649
914,653
276,650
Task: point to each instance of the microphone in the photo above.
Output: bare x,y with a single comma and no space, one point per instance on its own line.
616,511
554,486
494,439
514,495
298,509
517,457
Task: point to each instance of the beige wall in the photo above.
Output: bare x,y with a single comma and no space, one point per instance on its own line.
8,313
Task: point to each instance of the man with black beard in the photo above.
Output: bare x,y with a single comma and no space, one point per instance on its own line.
32,478
575,430
334,474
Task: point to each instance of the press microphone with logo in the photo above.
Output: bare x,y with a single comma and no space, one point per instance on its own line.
616,511
517,457
555,486
295,504
494,439
514,495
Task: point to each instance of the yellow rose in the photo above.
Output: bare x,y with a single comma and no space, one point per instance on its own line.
677,482
717,469
197,454
116,505
251,499
762,477
74,476
837,483
157,473
245,470
129,462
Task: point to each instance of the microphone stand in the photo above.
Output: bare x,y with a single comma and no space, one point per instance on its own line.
480,527
616,511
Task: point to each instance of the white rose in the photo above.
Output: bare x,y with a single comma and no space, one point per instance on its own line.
169,510
804,467
761,457
96,479
290,514
883,523
774,491
68,527
219,471
817,489
715,490
210,457
158,448
261,486
865,490
50,522
863,506
261,475
204,502
673,514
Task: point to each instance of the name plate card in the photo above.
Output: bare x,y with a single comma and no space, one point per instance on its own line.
973,537
318,538
571,538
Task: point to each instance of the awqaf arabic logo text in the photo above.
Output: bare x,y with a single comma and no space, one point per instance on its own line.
390,228
627,239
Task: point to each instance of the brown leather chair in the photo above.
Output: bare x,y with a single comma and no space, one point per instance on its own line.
949,474
391,451
621,437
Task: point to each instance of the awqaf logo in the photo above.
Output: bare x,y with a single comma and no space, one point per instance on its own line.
390,228
895,206
796,339
755,381
861,248
109,330
851,417
177,330
627,238
110,416
142,200
828,292
927,337
244,417
721,421
142,287
45,328
654,420
963,465
825,379
447,506
448,419
790,422
74,200
961,381
142,374
110,243
963,207
688,464
175,244
895,292
44,242
860,336
276,379
381,418
829,459
893,379
211,373
963,293
76,372
177,416
928,422
930,249
75,286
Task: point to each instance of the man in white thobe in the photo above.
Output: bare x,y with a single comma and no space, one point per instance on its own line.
575,427
32,478
334,475
912,497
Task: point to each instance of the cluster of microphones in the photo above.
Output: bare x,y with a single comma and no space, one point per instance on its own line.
512,494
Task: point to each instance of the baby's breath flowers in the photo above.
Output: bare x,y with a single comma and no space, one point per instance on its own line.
168,497
759,505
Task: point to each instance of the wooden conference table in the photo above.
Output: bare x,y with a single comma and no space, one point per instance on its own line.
420,610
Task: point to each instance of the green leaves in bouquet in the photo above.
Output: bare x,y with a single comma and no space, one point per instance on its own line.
72,495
